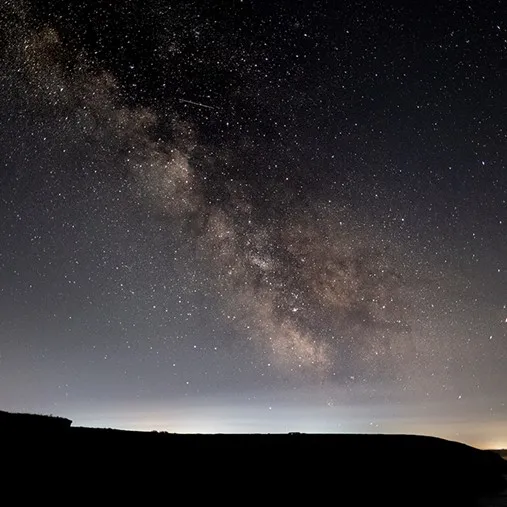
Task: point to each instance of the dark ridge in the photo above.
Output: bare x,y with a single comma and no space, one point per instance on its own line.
32,422
297,468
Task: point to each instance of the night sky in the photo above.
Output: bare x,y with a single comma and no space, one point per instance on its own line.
253,216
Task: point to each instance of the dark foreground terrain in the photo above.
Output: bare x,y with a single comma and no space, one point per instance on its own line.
148,468
502,452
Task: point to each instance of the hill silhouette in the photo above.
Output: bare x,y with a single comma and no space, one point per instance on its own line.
314,469
13,422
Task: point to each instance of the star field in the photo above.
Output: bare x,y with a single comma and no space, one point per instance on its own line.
247,217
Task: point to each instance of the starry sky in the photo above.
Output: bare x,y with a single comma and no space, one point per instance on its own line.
247,216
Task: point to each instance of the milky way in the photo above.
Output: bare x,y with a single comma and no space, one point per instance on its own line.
290,201
279,276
